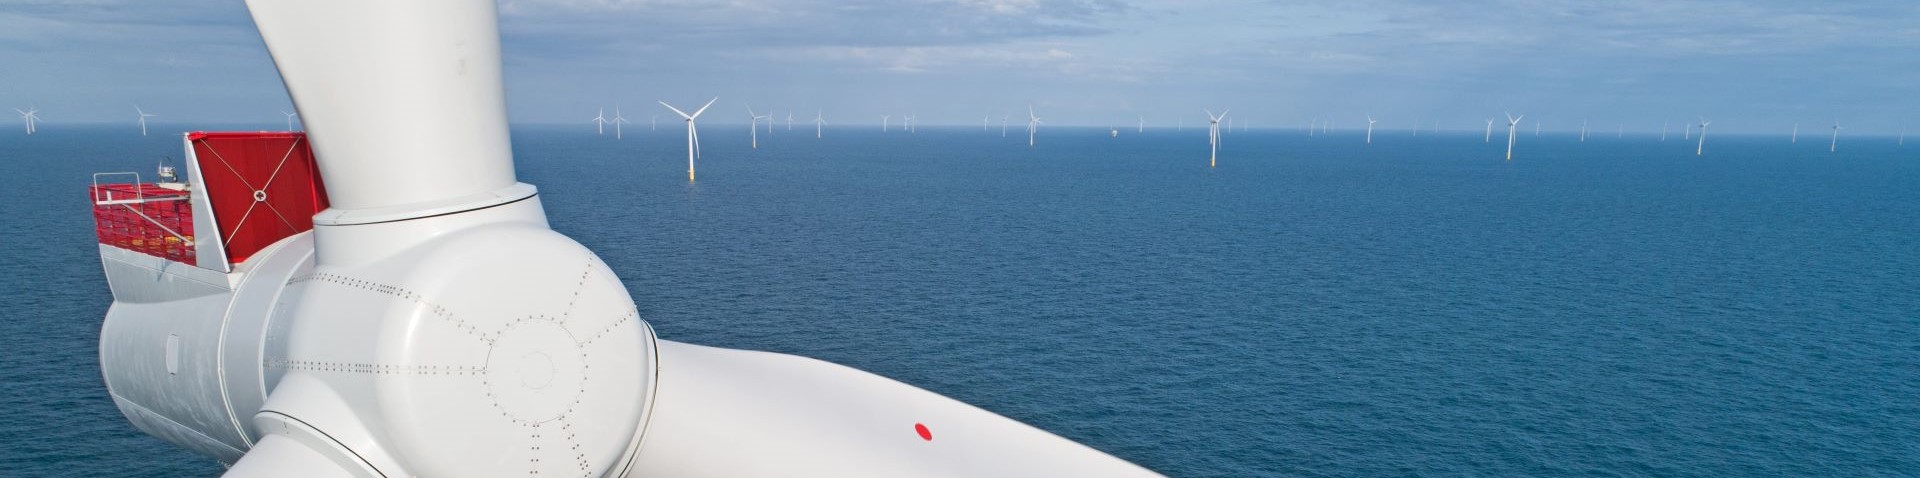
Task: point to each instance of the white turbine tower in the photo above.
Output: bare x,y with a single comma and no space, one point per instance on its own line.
1142,127
654,124
753,125
617,121
290,116
913,125
432,323
1213,136
1003,124
693,132
884,119
1370,122
789,120
143,119
1688,134
985,122
1832,146
600,122
1796,134
1663,130
1033,125
1702,148
1583,130
1489,138
819,123
1513,124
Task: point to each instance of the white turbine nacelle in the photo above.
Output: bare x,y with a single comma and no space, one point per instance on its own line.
432,324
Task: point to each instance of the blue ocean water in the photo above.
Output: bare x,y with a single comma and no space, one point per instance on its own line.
1311,307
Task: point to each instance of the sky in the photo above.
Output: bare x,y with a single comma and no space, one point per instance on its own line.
1749,66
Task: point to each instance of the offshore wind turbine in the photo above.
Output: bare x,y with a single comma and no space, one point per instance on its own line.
789,120
1313,126
1003,124
143,119
1583,131
884,119
617,121
753,125
693,132
1213,136
1796,133
656,123
600,121
1033,125
1702,148
1370,122
290,116
818,123
1689,133
1513,124
1143,125
985,123
1489,138
30,116
1663,130
1833,145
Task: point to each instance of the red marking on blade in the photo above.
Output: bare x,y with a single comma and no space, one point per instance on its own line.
925,434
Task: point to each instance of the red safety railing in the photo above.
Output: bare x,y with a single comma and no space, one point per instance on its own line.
145,218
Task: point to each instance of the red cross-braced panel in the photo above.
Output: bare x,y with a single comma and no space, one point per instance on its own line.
262,187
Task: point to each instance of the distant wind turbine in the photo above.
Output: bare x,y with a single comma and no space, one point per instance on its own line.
1370,122
1796,133
1663,130
985,123
884,120
1313,127
656,122
1689,132
1033,125
1489,138
143,119
1513,123
1702,148
1213,136
1583,131
600,121
1143,125
693,132
1832,146
753,125
30,116
617,121
1003,124
789,120
290,116
818,123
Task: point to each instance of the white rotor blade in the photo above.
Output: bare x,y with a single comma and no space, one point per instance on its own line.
736,413
278,456
703,108
682,114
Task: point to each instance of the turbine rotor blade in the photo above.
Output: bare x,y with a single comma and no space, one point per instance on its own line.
714,418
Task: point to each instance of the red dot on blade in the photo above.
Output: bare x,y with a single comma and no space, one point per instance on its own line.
925,434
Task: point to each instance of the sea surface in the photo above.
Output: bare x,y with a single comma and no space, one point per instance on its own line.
1313,306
